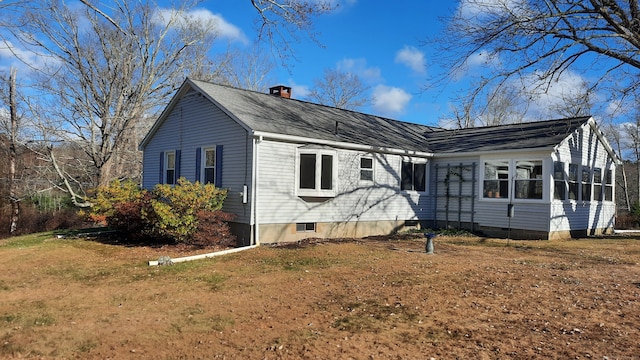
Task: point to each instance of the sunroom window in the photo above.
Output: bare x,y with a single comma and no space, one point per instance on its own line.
559,181
597,184
496,179
573,181
528,179
608,185
586,183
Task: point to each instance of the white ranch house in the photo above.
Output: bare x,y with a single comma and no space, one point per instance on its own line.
295,169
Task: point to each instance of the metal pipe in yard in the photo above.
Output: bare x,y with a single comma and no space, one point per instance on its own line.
429,245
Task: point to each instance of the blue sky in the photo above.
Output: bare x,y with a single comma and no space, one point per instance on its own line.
382,44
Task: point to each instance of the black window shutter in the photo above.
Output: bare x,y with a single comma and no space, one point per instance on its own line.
218,180
161,178
198,163
177,166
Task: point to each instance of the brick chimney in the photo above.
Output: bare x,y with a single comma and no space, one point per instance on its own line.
281,90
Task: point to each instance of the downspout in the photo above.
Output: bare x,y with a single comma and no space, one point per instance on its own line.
254,189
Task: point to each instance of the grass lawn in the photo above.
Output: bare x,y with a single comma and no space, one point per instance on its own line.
353,299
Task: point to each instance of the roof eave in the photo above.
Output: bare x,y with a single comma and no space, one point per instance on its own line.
341,144
493,152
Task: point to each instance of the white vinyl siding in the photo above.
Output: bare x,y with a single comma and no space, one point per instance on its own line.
354,200
584,154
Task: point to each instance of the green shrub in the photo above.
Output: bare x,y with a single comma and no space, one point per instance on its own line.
117,192
184,213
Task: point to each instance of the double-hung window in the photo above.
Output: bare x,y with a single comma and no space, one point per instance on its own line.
316,172
528,179
209,166
171,167
366,168
413,176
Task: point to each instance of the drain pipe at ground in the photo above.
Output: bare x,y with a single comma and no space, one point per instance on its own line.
165,260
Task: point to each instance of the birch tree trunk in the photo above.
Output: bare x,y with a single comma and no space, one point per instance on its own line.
13,198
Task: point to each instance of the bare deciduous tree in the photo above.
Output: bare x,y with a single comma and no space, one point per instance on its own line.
250,70
545,38
283,20
339,89
104,82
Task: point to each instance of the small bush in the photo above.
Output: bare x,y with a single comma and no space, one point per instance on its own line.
213,229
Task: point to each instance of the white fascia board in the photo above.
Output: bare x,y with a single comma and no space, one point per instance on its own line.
340,144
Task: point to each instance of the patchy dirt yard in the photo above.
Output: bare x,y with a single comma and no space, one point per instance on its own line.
367,299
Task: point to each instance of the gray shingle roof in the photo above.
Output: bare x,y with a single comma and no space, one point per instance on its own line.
527,135
273,114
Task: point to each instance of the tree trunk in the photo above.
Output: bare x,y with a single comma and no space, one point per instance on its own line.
15,201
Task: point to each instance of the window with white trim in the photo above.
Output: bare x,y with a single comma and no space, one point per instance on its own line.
586,183
170,167
413,176
608,185
496,179
572,181
316,172
528,179
209,166
559,181
597,184
366,168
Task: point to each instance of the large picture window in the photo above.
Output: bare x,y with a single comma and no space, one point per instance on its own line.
528,179
316,173
413,176
496,179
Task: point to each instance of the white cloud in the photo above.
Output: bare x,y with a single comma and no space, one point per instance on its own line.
359,67
469,9
213,22
389,100
478,60
569,85
413,58
298,91
24,60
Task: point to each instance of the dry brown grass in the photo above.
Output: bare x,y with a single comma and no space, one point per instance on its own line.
378,298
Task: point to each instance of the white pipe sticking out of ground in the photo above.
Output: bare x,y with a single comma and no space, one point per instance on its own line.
203,256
